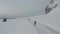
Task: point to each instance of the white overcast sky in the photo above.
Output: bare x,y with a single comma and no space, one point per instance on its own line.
21,8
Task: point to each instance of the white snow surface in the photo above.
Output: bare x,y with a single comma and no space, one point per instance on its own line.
46,24
50,21
17,26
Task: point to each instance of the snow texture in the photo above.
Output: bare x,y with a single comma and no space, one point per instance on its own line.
44,24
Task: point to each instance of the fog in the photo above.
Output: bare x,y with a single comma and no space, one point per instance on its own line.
22,8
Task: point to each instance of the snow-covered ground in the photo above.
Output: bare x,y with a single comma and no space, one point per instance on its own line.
25,26
45,24
49,23
17,26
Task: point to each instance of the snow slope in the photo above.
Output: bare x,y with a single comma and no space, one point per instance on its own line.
46,24
17,26
41,28
50,21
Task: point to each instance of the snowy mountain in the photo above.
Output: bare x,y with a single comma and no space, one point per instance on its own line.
40,24
51,20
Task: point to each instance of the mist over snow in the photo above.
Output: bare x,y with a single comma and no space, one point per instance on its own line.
40,24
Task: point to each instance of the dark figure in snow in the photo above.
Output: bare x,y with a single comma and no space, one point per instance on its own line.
35,23
4,20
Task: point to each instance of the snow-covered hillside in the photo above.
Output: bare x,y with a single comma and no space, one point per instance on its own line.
50,21
45,24
24,26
